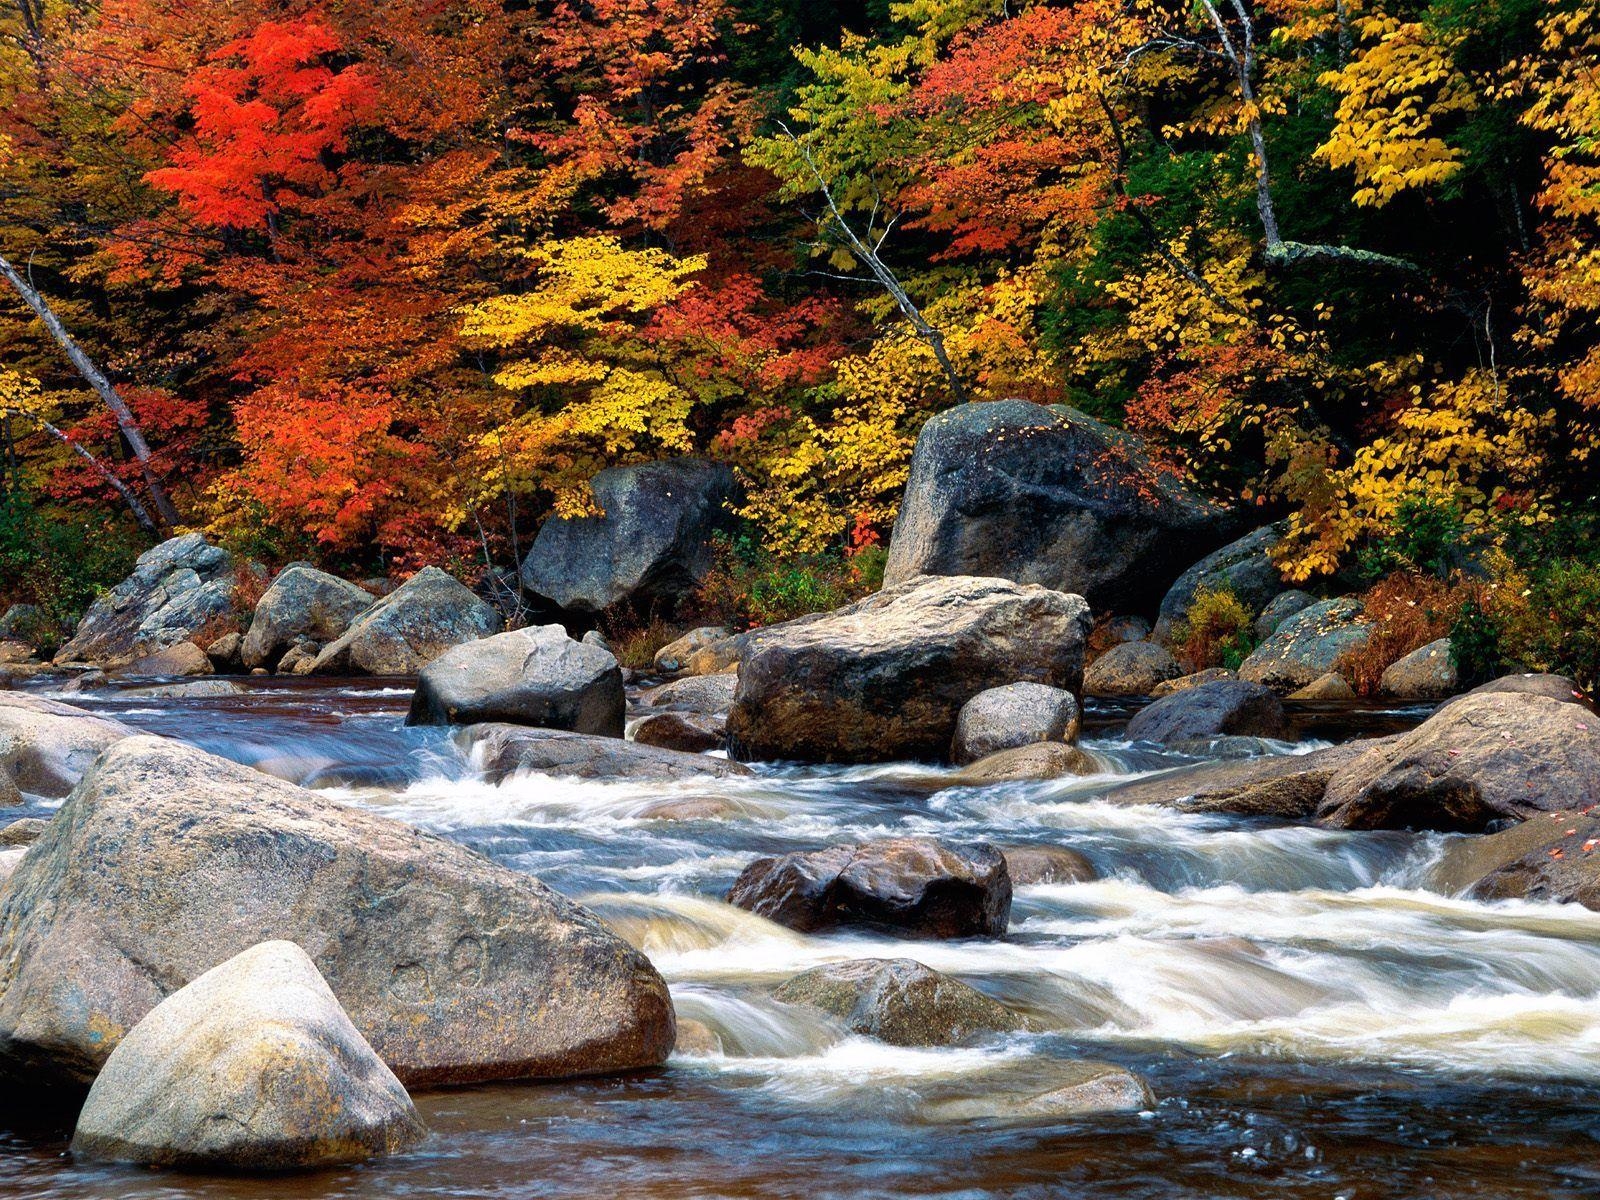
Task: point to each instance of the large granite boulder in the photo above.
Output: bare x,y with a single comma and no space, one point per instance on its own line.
914,886
693,733
1427,673
650,547
1556,687
899,1001
1014,715
1484,758
536,676
176,589
501,751
675,655
697,693
409,628
886,677
302,605
1553,858
251,1067
1226,708
166,861
1130,669
1244,567
1285,786
1307,645
46,746
1279,609
1047,496
174,662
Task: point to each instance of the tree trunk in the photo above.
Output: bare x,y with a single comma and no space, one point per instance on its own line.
102,386
140,513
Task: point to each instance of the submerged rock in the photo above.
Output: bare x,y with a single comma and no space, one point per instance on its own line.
46,746
1037,760
650,545
911,885
251,1067
503,750
409,628
885,678
1017,714
1047,864
899,1001
1484,758
1130,669
166,861
1307,645
1074,1089
537,676
1050,496
1225,708
176,590
302,605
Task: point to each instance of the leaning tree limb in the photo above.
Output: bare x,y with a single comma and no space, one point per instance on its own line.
140,513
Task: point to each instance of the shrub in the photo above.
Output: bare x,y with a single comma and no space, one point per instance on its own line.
635,645
1407,611
750,586
58,563
1217,631
1553,624
1428,535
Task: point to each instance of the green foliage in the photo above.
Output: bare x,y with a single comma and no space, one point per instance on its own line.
58,560
751,586
1475,644
1428,534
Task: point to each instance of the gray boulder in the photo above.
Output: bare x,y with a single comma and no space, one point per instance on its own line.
1014,715
1130,669
697,693
1285,786
501,751
1037,760
251,1067
1307,645
166,861
1555,859
46,746
914,886
1050,496
176,590
1227,708
1244,567
1555,687
899,1001
302,605
651,546
1426,673
693,733
1279,609
409,628
185,658
536,676
675,655
1485,758
886,677
224,652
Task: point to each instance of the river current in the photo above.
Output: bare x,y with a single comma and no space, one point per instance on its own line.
1313,1021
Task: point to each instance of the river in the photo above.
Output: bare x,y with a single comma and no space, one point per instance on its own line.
1312,1020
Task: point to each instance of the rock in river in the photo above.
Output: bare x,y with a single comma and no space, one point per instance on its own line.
302,605
899,1001
1228,707
693,733
915,886
1130,669
46,746
1047,495
409,628
166,861
1006,717
1244,567
1307,645
503,750
885,678
251,1067
536,676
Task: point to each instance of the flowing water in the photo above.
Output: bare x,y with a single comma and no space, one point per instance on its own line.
1312,1020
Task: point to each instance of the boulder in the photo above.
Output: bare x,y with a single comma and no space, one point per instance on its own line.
183,659
1184,682
1284,786
1307,645
10,859
1243,567
1002,718
1035,761
23,832
46,746
1130,669
1485,758
537,676
28,624
10,794
1279,609
1123,629
166,861
16,654
650,546
302,605
1227,708
693,733
1049,496
1556,687
1325,688
299,659
225,651
914,886
697,693
675,655
1427,673
501,751
697,1039
1554,857
899,1001
691,808
200,688
176,590
409,628
1072,1089
251,1067
885,678
1029,865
